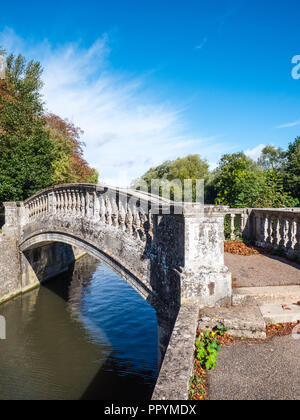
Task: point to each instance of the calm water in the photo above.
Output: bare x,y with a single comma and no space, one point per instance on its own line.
88,335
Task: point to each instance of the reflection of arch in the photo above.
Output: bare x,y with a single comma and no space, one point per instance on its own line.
164,320
42,239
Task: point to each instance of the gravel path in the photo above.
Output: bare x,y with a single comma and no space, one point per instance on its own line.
261,371
262,270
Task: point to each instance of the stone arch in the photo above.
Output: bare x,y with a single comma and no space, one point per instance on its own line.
41,239
165,321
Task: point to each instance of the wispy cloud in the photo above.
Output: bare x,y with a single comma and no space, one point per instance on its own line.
255,152
289,125
224,18
126,131
201,45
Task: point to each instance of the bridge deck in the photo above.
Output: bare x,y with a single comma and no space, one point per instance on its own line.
262,270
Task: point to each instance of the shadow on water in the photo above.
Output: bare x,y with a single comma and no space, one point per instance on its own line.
120,377
84,335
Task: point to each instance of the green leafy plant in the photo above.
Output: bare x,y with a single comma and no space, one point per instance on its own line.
207,349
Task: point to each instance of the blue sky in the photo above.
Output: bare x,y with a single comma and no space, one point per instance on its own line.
155,80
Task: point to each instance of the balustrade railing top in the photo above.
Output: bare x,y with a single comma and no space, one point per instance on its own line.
276,228
95,200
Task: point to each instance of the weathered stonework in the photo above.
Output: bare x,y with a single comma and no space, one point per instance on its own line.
21,272
10,271
171,253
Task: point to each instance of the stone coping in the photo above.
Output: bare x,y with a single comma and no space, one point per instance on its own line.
177,368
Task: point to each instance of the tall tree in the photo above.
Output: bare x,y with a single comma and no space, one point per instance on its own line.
272,158
292,168
191,167
36,150
240,182
26,151
69,164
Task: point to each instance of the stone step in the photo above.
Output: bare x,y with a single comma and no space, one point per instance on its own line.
269,295
276,314
243,321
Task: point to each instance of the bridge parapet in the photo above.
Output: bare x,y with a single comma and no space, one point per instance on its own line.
277,229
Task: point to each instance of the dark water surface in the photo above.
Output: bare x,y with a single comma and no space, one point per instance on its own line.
87,335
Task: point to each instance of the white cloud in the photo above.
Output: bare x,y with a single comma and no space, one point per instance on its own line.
289,125
255,152
201,45
125,130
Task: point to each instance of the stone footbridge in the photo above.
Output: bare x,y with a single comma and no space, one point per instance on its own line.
169,252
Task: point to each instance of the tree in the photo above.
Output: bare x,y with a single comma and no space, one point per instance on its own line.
240,182
69,165
272,158
26,151
191,167
36,150
292,169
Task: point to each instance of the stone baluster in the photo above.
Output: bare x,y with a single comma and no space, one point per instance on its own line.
277,237
82,206
63,203
122,217
269,222
73,200
59,205
33,209
244,220
294,234
290,236
108,211
69,202
265,229
96,207
78,204
115,212
143,219
102,209
88,205
129,221
136,223
297,237
150,224
284,232
232,227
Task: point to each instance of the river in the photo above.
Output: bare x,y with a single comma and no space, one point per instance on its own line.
84,335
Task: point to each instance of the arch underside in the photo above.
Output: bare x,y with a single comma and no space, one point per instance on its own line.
45,238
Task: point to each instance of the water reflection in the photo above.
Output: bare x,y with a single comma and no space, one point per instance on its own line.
86,335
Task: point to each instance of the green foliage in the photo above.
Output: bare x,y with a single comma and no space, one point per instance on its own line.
33,155
240,182
208,347
292,169
191,167
26,149
271,158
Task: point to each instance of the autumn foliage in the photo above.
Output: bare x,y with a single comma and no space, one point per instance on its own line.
37,149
